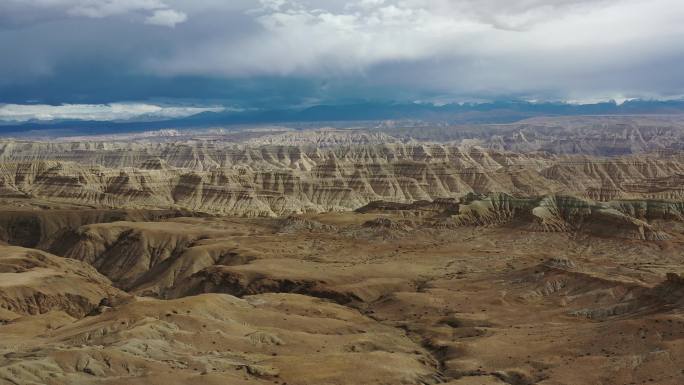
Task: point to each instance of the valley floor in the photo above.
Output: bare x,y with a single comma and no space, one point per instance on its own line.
379,296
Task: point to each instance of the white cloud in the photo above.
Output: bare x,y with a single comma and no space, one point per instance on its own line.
105,8
96,112
472,45
533,48
157,11
166,18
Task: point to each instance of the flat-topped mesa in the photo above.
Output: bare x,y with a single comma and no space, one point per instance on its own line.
385,224
560,263
293,224
422,208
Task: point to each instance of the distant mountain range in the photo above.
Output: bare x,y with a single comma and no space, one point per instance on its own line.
472,113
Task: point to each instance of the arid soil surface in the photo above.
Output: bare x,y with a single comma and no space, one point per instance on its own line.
368,264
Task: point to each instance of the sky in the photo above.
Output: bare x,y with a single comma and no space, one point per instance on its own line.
122,59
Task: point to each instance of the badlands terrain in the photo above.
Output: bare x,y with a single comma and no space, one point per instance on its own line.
545,252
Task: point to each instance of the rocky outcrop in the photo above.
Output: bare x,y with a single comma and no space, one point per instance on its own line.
295,224
552,213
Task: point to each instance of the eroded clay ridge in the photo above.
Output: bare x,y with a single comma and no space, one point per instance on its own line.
224,178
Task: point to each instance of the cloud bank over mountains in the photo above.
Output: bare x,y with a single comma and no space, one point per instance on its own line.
96,112
320,51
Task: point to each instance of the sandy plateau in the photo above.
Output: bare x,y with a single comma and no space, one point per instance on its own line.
331,259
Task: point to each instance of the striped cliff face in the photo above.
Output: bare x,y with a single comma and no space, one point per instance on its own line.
266,180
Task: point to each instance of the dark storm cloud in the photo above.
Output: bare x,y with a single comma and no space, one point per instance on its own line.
286,52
